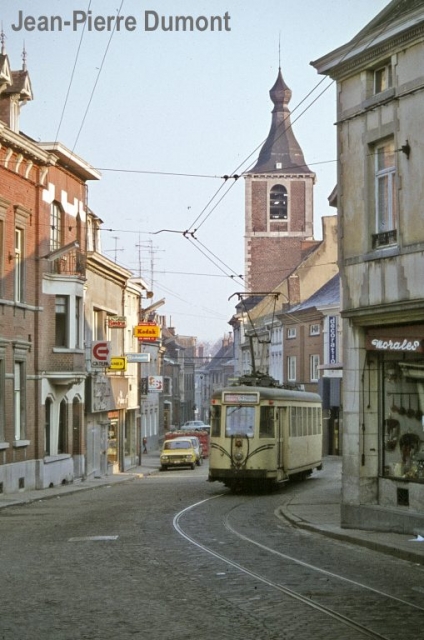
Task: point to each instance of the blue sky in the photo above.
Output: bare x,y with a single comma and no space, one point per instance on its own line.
140,105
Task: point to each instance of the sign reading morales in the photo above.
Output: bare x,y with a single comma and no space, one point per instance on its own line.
149,21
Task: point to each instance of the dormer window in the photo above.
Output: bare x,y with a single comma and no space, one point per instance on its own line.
383,78
278,203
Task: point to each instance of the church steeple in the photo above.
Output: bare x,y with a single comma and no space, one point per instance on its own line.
281,151
279,202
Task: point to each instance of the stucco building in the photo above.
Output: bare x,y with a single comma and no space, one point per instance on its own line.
380,101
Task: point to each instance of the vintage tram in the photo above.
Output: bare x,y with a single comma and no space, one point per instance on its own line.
262,436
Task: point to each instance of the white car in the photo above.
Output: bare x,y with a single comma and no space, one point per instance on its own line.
197,425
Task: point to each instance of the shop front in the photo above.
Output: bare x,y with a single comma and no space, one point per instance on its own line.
395,393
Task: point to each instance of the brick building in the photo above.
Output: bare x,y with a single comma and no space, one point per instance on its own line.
42,268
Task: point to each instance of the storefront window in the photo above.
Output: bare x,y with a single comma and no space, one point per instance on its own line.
403,423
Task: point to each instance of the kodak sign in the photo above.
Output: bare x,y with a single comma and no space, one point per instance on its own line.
147,332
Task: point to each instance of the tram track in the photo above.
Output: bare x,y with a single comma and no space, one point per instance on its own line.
349,599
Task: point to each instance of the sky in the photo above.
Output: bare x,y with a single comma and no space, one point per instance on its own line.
165,114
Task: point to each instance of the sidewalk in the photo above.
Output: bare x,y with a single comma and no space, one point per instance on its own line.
317,510
149,464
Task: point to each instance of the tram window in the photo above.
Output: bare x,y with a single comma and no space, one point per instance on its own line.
266,425
294,421
215,418
240,420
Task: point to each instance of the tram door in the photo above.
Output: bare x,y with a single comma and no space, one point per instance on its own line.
281,423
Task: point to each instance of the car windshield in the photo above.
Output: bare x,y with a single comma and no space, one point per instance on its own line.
177,444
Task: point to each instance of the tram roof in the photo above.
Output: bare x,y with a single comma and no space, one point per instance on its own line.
270,393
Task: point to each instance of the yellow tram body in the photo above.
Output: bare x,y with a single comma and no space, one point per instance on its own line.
262,436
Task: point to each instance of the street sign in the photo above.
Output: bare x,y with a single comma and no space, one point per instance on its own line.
118,364
100,353
138,357
147,332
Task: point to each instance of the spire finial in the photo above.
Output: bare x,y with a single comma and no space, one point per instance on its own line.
24,57
3,40
279,50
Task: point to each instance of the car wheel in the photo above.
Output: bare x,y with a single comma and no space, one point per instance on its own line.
193,465
163,468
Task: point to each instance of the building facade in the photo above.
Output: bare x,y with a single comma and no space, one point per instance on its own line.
42,267
380,100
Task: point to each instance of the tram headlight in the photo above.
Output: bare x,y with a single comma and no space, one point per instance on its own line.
238,456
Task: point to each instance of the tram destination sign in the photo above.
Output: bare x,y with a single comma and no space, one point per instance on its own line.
240,398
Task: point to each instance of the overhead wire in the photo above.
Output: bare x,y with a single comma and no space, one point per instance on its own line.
72,77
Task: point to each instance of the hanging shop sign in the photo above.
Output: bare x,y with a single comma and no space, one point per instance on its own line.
100,353
116,322
138,357
118,364
332,339
155,383
147,332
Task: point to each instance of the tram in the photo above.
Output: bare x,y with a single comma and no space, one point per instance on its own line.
263,434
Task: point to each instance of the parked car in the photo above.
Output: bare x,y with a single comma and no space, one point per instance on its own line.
197,425
198,449
178,452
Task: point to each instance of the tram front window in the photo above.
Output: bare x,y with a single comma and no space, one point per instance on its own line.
240,421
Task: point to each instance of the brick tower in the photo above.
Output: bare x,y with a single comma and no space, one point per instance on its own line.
279,202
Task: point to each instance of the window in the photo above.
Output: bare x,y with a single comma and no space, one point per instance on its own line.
385,195
313,367
19,284
215,418
291,368
314,329
278,203
63,428
61,336
47,426
55,226
78,321
2,394
19,400
291,333
266,423
383,78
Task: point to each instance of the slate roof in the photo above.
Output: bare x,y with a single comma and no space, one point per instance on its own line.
281,145
328,295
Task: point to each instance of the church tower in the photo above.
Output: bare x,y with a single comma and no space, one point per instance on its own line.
278,202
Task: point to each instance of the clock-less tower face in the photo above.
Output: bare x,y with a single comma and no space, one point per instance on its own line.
279,202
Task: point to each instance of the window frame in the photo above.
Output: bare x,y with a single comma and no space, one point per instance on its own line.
385,195
315,329
278,211
291,333
314,362
383,78
291,368
19,255
56,226
19,399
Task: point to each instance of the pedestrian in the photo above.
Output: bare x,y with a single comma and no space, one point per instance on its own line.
144,444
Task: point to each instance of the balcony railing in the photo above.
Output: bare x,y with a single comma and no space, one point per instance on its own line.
72,264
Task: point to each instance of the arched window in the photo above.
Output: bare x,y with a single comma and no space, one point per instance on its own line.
63,428
76,427
278,202
47,425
